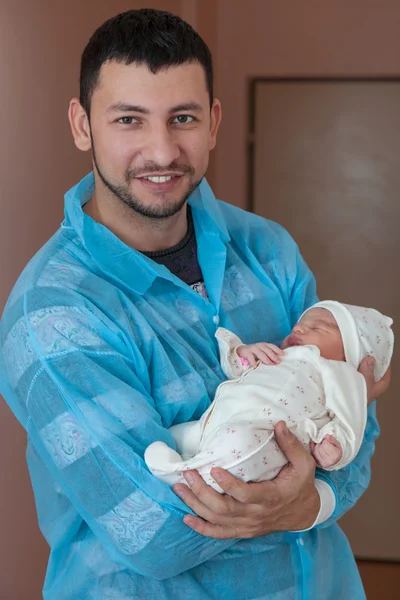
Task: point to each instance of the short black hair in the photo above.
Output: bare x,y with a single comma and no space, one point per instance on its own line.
155,38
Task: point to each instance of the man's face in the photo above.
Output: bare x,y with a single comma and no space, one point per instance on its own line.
152,134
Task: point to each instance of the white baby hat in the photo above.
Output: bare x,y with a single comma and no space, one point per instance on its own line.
365,331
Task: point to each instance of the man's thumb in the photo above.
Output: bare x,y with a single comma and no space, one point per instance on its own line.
297,455
288,442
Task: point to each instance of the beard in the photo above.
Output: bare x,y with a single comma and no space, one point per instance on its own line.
123,193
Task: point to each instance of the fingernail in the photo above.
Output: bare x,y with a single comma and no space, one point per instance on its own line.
285,430
371,362
217,475
180,493
189,478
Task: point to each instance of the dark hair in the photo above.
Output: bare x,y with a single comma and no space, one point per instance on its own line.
155,38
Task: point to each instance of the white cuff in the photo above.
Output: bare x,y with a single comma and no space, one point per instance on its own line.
327,503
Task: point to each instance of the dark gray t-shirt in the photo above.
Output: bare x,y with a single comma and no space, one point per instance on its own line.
182,259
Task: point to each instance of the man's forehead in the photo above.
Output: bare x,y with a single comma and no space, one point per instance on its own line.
137,85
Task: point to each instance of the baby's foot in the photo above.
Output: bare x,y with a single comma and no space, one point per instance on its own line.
327,453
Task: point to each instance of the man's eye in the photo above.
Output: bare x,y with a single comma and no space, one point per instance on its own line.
127,120
183,119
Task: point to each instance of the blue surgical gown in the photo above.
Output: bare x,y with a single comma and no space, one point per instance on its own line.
102,350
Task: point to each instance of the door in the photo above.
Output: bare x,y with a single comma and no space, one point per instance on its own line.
326,165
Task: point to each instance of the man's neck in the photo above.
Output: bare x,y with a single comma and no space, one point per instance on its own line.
138,232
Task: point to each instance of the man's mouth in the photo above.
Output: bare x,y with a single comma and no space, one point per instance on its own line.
159,178
162,179
159,182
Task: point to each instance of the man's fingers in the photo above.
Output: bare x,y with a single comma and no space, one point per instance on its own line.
206,502
374,388
220,532
245,493
294,451
187,496
236,488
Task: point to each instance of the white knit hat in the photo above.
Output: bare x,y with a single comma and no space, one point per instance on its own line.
365,331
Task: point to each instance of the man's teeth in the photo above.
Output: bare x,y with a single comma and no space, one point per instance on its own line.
161,179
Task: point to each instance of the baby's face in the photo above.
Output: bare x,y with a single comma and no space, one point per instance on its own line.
318,328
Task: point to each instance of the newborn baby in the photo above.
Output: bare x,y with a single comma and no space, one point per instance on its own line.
311,382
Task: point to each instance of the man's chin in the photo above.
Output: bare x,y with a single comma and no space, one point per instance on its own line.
155,206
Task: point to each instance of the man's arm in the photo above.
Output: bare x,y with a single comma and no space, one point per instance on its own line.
90,418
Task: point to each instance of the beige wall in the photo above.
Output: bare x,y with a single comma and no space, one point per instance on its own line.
287,38
40,46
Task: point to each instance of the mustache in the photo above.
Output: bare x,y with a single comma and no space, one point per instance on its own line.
154,168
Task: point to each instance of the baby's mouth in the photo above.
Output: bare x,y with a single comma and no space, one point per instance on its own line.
291,340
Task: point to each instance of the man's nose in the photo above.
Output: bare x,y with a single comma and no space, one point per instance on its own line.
160,147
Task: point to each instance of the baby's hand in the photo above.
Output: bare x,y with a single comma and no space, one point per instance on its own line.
327,453
269,354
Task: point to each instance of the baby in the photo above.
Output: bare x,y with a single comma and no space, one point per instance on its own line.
311,382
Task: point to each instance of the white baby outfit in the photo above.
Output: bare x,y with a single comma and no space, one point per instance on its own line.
313,395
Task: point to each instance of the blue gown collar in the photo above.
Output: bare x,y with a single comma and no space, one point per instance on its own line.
130,267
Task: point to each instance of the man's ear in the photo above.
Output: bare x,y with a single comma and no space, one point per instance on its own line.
216,117
80,125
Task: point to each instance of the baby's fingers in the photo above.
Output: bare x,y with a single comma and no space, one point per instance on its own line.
250,356
268,347
271,355
332,440
261,355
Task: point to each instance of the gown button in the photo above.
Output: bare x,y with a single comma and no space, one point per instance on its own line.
216,319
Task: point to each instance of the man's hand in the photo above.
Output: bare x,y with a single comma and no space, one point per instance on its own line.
374,389
290,502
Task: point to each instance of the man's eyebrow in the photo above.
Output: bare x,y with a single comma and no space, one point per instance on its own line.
125,107
188,106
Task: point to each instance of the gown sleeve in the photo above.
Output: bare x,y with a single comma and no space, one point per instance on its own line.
89,418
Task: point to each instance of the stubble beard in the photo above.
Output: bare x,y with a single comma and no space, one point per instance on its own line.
123,193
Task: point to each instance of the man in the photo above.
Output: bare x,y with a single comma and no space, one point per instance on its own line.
108,339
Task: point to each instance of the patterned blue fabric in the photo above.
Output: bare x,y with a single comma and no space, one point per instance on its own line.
102,350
